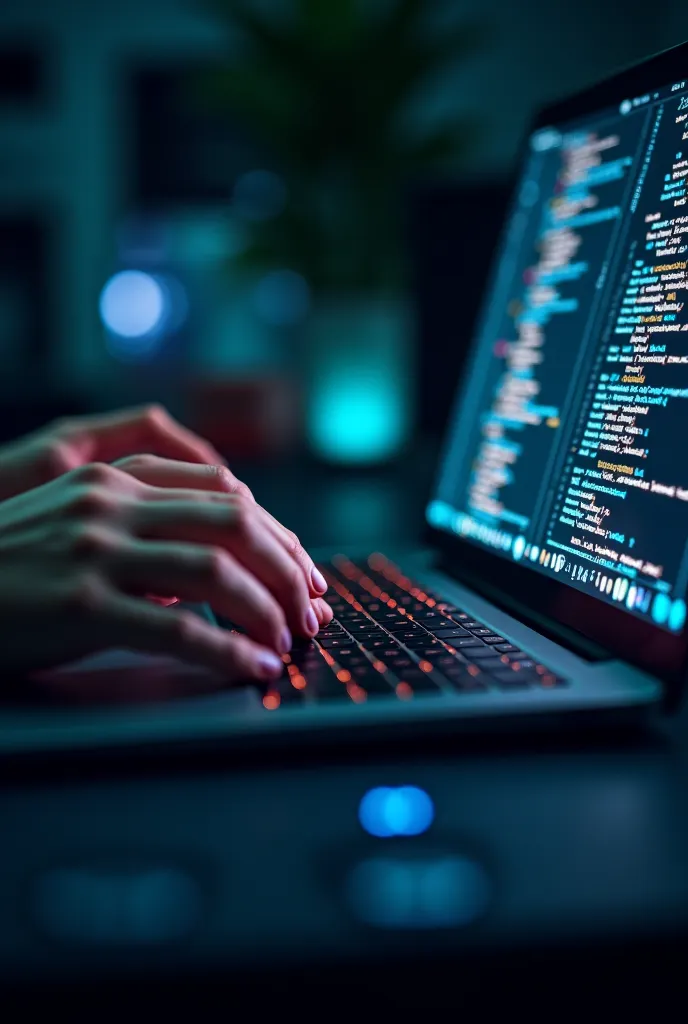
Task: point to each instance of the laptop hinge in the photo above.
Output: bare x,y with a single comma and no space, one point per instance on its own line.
550,628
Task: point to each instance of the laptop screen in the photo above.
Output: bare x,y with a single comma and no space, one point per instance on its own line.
568,450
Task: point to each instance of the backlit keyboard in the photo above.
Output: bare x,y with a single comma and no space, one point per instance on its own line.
392,638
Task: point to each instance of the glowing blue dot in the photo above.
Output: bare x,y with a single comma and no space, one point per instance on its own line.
132,304
438,513
282,298
518,548
677,615
661,607
400,811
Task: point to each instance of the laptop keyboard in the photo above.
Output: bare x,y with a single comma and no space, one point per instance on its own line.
390,638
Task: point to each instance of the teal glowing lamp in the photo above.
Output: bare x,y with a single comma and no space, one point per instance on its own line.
359,408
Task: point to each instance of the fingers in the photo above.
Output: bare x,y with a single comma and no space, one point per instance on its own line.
195,573
145,627
236,527
170,473
166,473
210,482
323,611
147,429
317,585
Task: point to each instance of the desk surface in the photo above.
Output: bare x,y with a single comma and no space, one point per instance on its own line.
234,875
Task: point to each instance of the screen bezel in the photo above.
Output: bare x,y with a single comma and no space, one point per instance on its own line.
623,635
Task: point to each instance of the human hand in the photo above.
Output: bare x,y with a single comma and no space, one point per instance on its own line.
215,478
77,554
69,443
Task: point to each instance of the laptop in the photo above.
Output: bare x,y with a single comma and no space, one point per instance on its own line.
553,587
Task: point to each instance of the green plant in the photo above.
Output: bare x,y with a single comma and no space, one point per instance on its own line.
327,92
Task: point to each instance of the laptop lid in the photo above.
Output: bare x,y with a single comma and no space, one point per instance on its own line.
565,472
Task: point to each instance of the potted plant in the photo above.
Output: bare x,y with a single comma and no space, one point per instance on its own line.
327,90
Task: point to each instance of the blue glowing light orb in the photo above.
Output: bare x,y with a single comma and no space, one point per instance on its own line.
396,811
677,615
132,304
661,607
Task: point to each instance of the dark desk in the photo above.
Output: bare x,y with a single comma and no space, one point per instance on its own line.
228,880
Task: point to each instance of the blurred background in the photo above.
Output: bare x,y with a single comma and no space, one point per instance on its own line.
274,216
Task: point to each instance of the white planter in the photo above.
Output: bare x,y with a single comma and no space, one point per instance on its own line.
360,381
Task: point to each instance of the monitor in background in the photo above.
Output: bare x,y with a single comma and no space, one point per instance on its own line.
567,449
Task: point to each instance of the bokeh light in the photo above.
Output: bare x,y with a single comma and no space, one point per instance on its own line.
282,298
132,304
139,311
396,811
445,891
259,196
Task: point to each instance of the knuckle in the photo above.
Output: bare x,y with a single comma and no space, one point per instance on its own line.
293,545
89,543
57,459
242,518
216,566
96,473
229,483
137,463
90,503
243,490
156,414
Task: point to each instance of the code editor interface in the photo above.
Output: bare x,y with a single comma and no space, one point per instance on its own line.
569,449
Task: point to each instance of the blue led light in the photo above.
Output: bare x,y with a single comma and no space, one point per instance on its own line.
661,608
677,615
396,811
132,304
519,546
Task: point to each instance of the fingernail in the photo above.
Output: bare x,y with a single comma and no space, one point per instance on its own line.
319,581
311,621
269,664
285,642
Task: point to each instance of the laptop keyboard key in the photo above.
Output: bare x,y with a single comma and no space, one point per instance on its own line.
446,634
417,643
507,648
399,664
430,618
493,639
417,637
403,626
420,682
481,653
